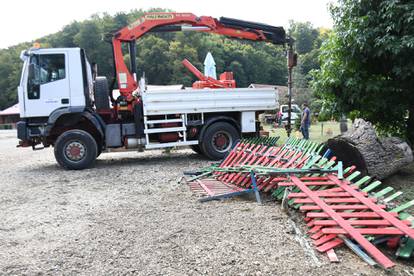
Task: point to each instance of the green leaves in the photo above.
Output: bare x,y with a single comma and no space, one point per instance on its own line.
367,66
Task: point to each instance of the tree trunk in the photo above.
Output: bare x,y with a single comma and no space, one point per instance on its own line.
410,124
373,156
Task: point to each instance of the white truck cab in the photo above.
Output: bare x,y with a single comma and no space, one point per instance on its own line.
46,84
64,106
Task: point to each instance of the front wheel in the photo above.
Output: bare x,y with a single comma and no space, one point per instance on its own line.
75,149
219,139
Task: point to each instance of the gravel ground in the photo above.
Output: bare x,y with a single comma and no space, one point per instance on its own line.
128,215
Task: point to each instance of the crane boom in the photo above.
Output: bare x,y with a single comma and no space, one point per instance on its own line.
169,21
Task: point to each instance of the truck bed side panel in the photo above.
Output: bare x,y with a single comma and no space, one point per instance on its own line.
209,100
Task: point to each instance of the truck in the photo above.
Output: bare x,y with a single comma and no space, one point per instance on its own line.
64,104
295,113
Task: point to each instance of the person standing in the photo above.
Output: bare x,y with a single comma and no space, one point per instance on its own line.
305,121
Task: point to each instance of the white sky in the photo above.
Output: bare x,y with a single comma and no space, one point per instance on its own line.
22,21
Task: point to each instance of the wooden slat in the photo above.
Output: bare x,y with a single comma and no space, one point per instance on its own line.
371,222
376,208
338,207
349,215
369,247
365,231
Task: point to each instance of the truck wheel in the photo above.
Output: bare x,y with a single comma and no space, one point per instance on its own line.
101,93
75,149
218,140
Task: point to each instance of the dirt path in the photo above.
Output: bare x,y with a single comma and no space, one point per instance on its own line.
128,215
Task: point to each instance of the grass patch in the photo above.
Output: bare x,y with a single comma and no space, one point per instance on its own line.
318,132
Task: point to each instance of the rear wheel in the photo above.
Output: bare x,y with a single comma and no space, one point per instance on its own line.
75,149
219,139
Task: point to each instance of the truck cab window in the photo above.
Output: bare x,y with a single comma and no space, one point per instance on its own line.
44,69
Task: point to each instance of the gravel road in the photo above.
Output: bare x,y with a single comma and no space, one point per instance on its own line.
128,215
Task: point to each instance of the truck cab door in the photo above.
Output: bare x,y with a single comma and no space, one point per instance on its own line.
48,86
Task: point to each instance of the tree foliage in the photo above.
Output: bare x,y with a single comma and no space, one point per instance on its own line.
158,55
367,64
308,40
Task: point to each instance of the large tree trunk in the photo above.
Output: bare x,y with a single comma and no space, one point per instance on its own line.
377,157
410,124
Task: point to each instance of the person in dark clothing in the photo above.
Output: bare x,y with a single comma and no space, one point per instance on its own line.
305,121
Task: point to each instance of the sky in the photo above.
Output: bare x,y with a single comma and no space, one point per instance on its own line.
22,21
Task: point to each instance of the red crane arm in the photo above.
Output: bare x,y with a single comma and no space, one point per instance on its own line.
166,21
194,70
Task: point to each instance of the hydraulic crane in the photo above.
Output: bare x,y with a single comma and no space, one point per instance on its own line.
169,22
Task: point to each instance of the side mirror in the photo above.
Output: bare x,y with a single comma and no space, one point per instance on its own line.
24,55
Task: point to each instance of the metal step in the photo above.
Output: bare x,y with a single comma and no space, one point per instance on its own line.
165,129
170,145
179,120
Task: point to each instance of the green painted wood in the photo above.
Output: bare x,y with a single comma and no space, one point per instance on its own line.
353,176
346,170
383,192
403,206
393,196
319,151
362,181
372,186
406,250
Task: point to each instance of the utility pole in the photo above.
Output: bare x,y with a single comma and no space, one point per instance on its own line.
292,60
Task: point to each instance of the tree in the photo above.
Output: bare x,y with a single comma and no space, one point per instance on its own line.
305,36
153,60
367,64
89,38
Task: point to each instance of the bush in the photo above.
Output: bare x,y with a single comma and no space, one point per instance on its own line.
324,116
353,115
298,122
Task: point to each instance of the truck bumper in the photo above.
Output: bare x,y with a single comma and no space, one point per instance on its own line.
29,135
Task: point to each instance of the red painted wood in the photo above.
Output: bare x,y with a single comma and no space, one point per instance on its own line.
332,200
314,229
354,233
374,207
337,207
314,178
244,179
371,222
323,193
329,245
317,235
324,239
208,191
250,160
348,215
339,189
333,258
364,231
245,156
310,183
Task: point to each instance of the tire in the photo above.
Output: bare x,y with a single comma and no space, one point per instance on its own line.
196,149
101,93
75,149
217,149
